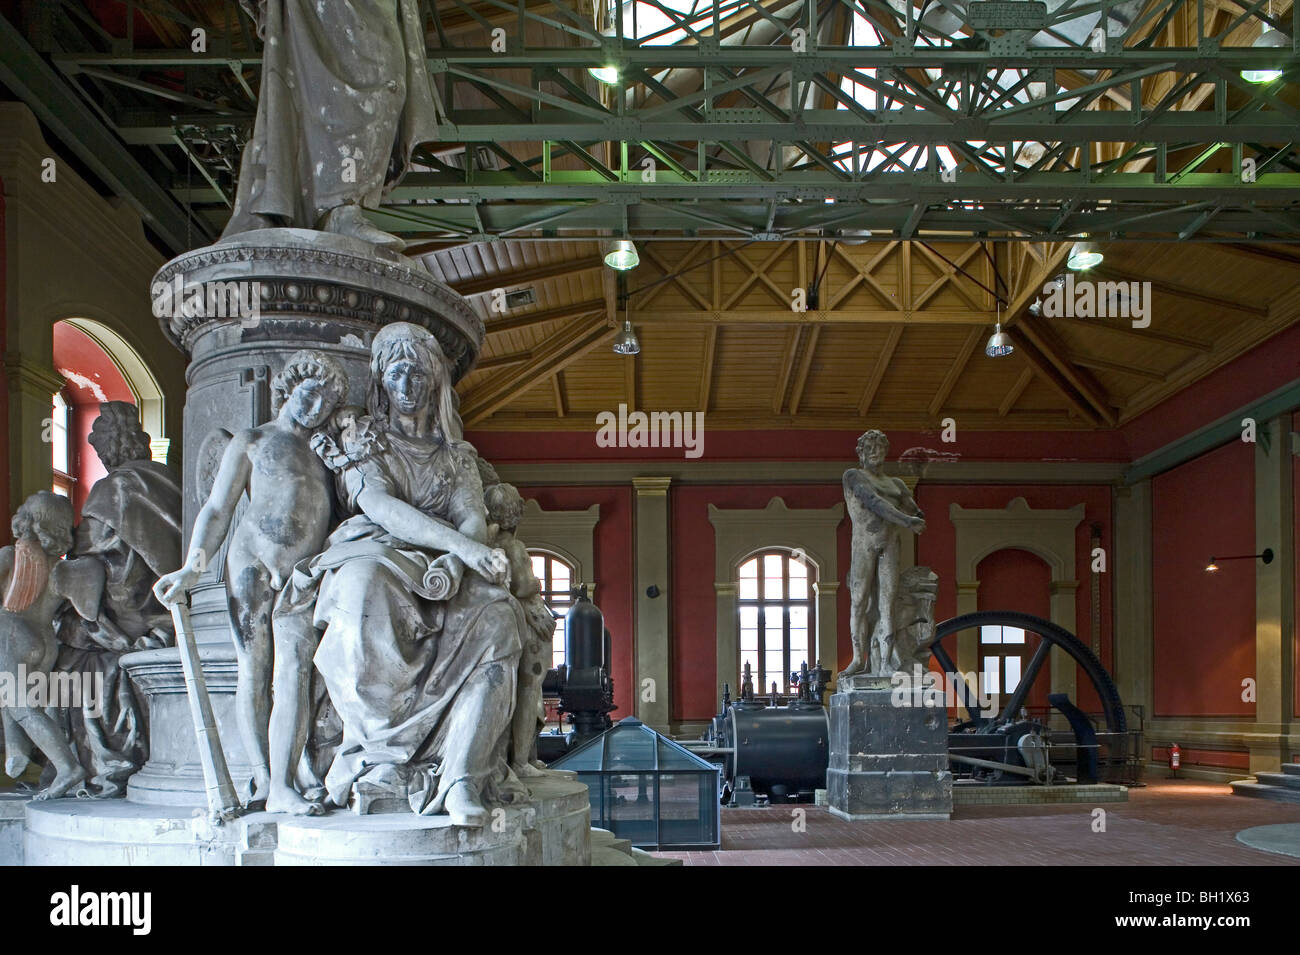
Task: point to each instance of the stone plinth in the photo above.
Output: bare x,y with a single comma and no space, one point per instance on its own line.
886,761
553,829
13,807
172,776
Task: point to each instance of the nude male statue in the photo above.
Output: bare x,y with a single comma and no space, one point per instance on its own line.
880,508
290,507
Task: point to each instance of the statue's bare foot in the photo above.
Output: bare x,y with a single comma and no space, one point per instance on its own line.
348,219
284,799
464,808
854,667
63,783
526,770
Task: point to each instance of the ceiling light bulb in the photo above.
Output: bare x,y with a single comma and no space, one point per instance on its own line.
605,74
1211,567
622,255
1083,255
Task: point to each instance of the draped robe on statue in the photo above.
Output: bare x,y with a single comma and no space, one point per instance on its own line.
345,97
131,523
423,686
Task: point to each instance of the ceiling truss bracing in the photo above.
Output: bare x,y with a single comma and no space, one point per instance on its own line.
769,119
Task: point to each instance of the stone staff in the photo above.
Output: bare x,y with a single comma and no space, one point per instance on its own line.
222,801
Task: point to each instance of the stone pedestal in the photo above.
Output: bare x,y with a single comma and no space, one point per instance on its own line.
173,776
554,828
13,807
886,761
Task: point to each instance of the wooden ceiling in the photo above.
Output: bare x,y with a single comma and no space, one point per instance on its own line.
896,337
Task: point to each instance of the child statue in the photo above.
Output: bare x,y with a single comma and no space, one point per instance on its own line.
290,510
505,508
36,583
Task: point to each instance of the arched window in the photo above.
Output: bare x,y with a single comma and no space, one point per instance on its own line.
776,608
60,457
556,577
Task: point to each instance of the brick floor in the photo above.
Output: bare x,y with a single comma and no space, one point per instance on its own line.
1165,823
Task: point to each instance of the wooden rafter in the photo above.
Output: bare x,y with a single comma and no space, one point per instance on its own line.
878,372
557,353
513,278
1183,292
955,369
792,338
561,402
1046,370
508,323
1055,353
706,378
1017,389
805,366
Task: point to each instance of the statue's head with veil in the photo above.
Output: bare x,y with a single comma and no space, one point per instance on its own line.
411,383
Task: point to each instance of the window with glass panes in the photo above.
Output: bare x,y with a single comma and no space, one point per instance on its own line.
556,577
60,459
1002,659
776,618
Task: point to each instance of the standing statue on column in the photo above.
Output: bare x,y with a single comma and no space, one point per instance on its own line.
345,98
881,508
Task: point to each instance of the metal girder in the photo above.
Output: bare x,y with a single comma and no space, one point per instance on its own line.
1033,128
60,107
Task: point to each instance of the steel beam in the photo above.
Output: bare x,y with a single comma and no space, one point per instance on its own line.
66,113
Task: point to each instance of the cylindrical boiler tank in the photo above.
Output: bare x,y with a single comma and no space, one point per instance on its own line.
783,750
584,634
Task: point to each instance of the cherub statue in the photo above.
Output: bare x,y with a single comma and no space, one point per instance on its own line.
36,583
505,508
290,510
880,508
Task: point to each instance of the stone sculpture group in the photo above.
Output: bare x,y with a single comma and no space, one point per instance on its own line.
423,620
76,617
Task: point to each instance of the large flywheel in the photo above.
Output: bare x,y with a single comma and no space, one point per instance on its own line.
1112,709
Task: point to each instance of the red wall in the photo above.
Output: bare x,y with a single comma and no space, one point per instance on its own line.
937,549
1263,369
694,603
1295,513
1204,623
614,553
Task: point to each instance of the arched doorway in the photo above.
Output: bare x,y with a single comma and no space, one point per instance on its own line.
97,365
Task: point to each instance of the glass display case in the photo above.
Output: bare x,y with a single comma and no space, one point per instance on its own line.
648,789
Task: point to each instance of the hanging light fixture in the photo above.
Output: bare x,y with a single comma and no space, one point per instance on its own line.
626,343
607,74
622,255
1083,255
999,344
1268,39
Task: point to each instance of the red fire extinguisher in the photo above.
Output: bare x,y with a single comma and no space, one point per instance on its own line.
1175,758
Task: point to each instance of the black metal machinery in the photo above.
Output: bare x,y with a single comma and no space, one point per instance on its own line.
779,749
774,747
583,683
